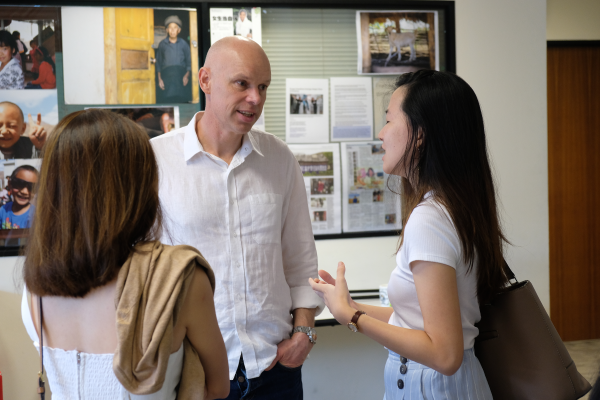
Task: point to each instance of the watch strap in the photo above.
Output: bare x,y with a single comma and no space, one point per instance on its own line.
355,317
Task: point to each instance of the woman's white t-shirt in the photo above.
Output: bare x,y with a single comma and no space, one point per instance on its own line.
429,235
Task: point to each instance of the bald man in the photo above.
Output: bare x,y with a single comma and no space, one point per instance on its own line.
12,126
237,194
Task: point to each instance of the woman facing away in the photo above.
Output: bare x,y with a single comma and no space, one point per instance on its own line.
119,309
450,253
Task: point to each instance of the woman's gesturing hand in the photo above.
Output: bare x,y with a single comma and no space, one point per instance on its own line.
335,293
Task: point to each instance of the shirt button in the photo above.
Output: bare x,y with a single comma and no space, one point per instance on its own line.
400,384
403,369
403,360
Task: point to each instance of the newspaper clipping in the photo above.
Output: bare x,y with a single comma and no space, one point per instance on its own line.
368,204
320,165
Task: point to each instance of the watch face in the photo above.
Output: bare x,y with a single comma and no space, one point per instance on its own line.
352,327
313,336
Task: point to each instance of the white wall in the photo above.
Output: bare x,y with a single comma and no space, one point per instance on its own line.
83,54
573,20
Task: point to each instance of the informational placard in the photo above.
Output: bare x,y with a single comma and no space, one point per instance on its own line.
245,22
383,88
368,204
320,165
351,109
307,110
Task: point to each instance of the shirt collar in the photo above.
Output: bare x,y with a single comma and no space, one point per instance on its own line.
192,146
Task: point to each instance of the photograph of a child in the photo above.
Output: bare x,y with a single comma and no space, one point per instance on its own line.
321,186
26,120
156,121
301,103
28,45
173,62
17,198
396,42
319,216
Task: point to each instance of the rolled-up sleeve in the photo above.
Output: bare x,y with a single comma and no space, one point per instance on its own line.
298,244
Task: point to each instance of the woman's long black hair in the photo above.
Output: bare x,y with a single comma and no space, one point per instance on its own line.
447,155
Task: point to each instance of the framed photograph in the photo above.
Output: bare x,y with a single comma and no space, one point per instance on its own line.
33,38
28,116
138,56
396,42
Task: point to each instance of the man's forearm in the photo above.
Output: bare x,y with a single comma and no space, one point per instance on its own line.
304,317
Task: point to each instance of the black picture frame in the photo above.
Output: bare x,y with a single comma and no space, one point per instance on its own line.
448,34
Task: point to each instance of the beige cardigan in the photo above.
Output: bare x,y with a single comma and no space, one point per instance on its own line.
151,287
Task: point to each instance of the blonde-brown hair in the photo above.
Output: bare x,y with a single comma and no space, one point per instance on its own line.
97,197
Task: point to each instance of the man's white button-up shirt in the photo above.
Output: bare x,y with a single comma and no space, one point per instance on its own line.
250,220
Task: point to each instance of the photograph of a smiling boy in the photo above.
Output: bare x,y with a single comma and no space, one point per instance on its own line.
18,212
12,127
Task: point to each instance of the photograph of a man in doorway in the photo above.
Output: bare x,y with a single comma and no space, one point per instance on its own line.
173,64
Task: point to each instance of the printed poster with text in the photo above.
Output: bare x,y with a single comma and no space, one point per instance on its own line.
368,203
307,110
351,109
320,165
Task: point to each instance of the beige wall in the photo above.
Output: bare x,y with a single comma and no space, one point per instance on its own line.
573,20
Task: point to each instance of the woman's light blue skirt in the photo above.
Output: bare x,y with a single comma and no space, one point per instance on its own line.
421,382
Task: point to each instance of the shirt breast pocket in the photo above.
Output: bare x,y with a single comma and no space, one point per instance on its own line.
266,218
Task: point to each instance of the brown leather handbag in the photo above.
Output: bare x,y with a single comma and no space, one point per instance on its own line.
521,353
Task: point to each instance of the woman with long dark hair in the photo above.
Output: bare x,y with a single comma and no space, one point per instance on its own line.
113,310
450,252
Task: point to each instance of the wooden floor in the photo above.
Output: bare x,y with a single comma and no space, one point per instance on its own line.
586,355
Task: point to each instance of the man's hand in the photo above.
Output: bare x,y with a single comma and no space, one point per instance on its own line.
292,352
38,133
161,84
186,78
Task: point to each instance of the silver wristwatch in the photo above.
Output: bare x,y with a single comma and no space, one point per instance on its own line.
310,332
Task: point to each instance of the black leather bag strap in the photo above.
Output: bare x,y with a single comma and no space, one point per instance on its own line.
509,274
41,383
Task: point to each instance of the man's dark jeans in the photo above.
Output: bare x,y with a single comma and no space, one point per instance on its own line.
276,384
